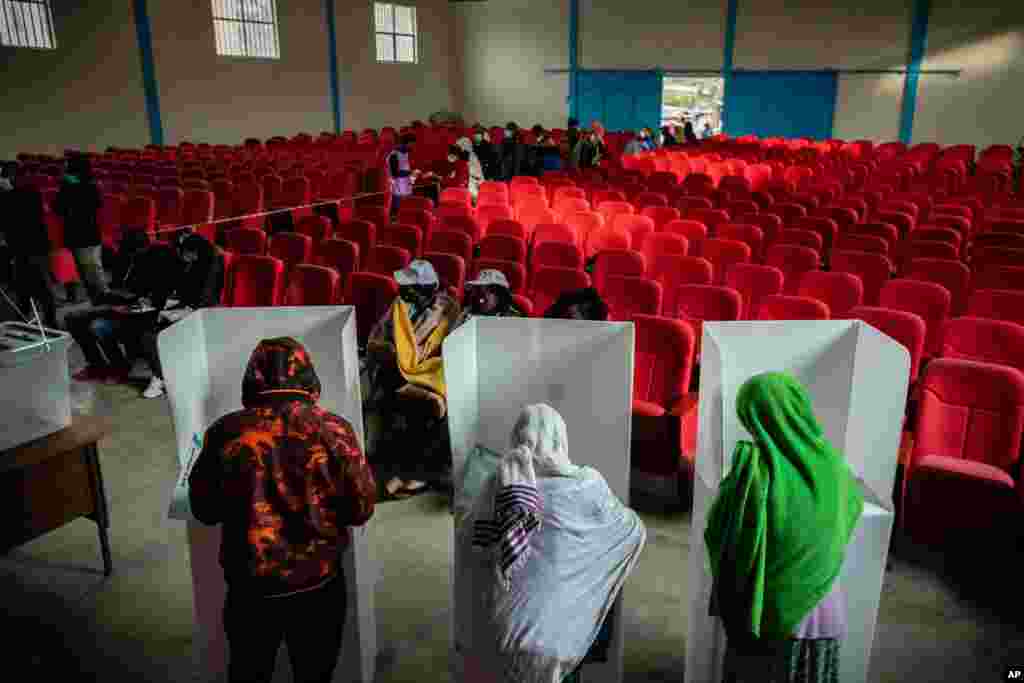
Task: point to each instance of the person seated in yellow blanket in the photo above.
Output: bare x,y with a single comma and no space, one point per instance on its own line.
406,403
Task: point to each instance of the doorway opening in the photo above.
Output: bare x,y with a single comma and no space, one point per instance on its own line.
698,99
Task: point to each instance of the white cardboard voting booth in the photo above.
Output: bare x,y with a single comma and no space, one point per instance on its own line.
204,358
584,370
857,378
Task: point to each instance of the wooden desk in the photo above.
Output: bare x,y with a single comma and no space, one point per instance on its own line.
51,481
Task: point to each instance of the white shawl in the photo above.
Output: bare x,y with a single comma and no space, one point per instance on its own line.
534,622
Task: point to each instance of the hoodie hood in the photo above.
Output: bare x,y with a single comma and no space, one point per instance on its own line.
279,369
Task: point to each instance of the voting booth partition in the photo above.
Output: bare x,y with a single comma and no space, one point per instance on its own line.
496,366
204,357
857,378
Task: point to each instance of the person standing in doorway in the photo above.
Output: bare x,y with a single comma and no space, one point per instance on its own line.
285,478
78,203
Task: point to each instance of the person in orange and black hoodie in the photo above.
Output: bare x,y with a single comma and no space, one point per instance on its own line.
286,478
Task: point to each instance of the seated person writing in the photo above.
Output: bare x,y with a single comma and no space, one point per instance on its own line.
581,304
406,400
165,283
489,294
540,560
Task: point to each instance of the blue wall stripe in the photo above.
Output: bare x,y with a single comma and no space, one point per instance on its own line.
727,55
332,55
574,47
145,38
918,43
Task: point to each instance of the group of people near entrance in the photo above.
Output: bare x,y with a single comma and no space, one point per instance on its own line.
545,546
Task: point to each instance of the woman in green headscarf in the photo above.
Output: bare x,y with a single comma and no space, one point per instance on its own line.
777,536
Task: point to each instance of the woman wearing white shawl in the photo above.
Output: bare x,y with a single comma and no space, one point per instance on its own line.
541,558
476,170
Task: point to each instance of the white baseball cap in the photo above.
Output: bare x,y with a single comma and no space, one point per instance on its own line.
490,276
418,272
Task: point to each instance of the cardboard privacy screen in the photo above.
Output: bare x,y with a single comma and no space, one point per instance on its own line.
204,358
584,370
857,378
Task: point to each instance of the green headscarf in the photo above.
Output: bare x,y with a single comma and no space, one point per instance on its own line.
778,531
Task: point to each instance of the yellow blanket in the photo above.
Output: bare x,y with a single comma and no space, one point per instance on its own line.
420,364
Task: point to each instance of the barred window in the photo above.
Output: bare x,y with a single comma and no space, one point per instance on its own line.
27,23
246,28
396,33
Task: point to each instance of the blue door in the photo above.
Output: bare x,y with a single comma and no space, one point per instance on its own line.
622,100
790,105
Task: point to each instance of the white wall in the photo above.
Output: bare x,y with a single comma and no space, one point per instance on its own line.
810,34
985,104
504,48
205,97
645,34
379,95
868,107
85,94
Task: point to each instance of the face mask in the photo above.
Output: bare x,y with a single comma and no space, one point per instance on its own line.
477,138
451,158
509,134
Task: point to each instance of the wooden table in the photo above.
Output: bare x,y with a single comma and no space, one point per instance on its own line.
51,481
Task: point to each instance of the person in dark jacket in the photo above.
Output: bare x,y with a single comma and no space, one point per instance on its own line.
572,135
198,285
513,153
24,230
581,304
689,134
78,203
286,479
668,137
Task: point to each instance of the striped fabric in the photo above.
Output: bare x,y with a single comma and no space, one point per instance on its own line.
517,515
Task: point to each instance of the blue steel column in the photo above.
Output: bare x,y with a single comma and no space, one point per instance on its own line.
574,45
332,55
145,39
727,57
918,44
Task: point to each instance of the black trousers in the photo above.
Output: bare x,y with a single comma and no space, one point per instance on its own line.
311,624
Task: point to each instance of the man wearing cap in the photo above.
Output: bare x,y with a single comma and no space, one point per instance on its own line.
406,377
489,294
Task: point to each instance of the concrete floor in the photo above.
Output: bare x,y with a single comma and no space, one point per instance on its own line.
62,616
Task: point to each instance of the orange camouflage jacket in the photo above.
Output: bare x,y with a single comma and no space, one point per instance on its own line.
283,476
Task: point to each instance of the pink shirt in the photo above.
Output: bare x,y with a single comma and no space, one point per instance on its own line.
827,619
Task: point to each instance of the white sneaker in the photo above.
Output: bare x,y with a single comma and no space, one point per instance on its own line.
155,388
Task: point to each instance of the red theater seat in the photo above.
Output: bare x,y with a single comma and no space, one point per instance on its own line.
723,254
371,295
997,304
928,300
310,285
628,296
621,262
841,292
549,283
246,241
256,280
451,269
907,328
874,270
291,248
754,282
514,271
984,340
695,304
794,261
963,474
781,307
950,273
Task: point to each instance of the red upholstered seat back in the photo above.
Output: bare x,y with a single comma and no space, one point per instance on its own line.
951,274
782,307
984,340
291,248
907,328
929,300
697,303
256,280
664,359
839,291
972,411
310,285
362,232
622,262
627,296
451,269
723,254
754,282
370,294
793,261
514,271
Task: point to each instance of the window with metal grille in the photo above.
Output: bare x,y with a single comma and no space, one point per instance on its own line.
246,28
27,23
396,33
